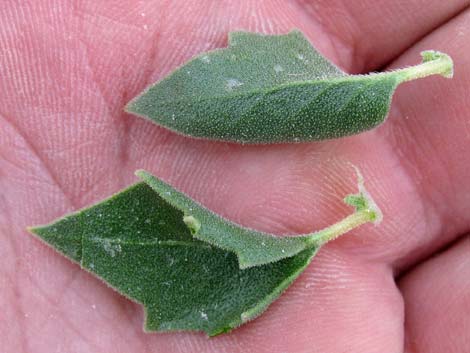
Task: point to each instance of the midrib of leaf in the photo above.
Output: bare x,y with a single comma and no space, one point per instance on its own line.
424,69
196,243
271,89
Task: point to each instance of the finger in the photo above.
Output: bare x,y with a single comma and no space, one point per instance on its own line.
104,55
294,189
51,97
291,166
437,302
283,179
429,131
365,35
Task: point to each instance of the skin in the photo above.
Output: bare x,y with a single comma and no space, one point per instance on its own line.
67,69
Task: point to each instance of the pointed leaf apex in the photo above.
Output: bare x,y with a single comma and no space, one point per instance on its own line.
67,243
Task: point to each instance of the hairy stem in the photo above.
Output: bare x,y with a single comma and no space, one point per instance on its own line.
345,225
366,210
434,63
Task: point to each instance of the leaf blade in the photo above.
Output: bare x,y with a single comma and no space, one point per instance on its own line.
183,283
262,89
253,248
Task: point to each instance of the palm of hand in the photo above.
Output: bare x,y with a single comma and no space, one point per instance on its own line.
67,72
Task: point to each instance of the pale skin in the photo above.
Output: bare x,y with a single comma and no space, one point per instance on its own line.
68,68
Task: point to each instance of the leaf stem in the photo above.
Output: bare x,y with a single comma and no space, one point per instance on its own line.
434,63
366,210
352,221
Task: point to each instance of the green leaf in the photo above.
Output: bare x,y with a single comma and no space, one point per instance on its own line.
252,248
141,247
142,242
273,89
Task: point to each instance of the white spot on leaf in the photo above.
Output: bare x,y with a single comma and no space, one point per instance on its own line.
110,248
232,83
206,59
278,68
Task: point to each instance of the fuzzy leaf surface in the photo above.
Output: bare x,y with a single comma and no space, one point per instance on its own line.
138,244
274,89
252,248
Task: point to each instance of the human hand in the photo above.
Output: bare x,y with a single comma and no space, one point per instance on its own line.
68,69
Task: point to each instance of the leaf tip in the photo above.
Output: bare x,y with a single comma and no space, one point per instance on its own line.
36,231
138,105
39,230
144,175
130,107
70,245
140,172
